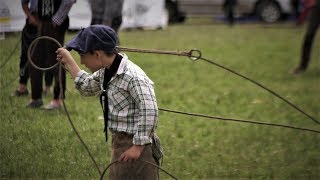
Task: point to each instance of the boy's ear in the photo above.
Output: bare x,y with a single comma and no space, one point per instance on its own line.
97,53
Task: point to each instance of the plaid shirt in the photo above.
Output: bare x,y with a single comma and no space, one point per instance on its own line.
132,106
59,16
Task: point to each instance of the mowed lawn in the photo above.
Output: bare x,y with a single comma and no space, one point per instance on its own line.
38,144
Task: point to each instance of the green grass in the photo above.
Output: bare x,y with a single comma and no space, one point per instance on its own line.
42,145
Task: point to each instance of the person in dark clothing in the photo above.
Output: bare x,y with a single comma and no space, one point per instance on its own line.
53,21
228,8
313,25
29,33
295,5
107,12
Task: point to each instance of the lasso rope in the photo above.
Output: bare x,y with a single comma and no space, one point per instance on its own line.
238,120
198,56
31,48
10,56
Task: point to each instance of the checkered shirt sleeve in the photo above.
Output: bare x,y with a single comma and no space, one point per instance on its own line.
88,84
63,11
144,97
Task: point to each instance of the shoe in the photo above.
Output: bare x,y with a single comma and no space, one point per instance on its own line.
52,106
18,93
297,70
35,103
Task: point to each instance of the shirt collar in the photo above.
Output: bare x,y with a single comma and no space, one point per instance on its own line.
123,63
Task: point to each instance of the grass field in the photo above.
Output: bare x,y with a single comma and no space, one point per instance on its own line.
42,145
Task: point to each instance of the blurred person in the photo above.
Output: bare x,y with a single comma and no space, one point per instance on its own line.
97,9
48,79
107,12
28,34
295,5
127,98
228,8
53,21
313,25
307,5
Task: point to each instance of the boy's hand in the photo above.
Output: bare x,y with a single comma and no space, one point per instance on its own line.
64,56
131,154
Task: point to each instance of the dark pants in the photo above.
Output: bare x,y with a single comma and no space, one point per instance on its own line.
228,7
137,170
313,25
44,56
29,33
107,12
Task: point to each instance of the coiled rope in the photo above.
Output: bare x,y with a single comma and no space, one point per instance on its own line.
30,52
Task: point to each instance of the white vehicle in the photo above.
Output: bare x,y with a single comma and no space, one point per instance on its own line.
267,10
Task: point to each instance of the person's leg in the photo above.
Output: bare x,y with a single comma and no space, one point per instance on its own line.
116,23
97,11
116,20
113,14
29,33
36,77
309,36
48,79
58,34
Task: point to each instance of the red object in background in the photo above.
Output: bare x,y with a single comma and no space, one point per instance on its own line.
306,6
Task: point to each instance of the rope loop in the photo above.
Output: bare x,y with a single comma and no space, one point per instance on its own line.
31,49
195,54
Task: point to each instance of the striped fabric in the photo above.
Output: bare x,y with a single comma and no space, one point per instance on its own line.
59,16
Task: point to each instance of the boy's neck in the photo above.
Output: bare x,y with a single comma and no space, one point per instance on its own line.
108,61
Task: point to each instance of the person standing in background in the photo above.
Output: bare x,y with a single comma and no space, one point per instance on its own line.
228,8
305,10
313,25
53,21
107,12
29,33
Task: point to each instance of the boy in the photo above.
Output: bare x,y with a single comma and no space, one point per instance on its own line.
126,95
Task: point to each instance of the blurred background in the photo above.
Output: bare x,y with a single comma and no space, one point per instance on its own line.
155,14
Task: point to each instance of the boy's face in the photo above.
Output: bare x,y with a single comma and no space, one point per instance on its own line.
90,61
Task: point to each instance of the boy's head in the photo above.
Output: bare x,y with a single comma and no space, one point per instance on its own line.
94,37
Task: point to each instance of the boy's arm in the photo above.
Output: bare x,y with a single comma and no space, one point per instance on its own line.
143,94
63,11
87,84
133,153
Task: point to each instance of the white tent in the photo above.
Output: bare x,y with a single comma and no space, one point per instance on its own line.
136,13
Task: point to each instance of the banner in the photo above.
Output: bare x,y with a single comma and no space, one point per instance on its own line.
147,14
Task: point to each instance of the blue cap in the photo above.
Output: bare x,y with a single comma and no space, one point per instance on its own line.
94,37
